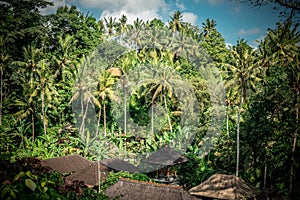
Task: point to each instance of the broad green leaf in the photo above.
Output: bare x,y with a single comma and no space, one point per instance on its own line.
30,184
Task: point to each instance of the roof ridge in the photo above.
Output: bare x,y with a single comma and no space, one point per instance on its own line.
150,183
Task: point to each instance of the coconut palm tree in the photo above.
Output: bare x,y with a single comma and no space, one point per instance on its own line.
105,92
244,74
110,25
160,82
175,23
46,87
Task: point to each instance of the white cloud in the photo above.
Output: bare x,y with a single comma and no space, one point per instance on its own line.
52,9
131,17
189,17
142,9
180,5
249,31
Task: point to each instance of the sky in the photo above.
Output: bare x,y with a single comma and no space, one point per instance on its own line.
234,20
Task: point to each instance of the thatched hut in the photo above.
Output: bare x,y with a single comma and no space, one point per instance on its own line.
164,158
223,186
66,164
126,189
90,175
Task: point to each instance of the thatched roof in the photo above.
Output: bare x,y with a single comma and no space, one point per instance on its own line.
223,187
120,165
90,175
165,156
135,190
115,71
66,164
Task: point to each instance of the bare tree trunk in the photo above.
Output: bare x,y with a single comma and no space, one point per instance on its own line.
125,110
32,126
98,122
152,119
294,142
238,137
82,126
166,107
104,118
228,141
43,110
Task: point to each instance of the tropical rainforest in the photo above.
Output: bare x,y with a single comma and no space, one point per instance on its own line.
73,84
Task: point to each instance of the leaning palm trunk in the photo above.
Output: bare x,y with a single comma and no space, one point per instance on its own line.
166,107
32,125
104,119
98,122
238,137
43,110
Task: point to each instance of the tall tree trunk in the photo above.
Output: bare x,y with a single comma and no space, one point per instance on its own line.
265,170
82,126
32,126
228,141
295,135
238,136
125,109
104,118
152,119
43,110
98,122
167,110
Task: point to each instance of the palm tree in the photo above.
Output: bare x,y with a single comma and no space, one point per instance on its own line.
30,87
208,27
136,30
160,82
104,92
46,87
122,26
244,73
282,45
175,24
110,25
65,59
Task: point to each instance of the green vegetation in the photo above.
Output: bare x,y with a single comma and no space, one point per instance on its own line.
43,58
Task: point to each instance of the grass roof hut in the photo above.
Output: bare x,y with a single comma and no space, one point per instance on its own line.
164,157
126,189
90,175
66,164
223,186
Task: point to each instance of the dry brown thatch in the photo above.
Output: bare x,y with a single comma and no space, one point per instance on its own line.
166,156
120,165
90,174
135,190
223,187
115,71
66,164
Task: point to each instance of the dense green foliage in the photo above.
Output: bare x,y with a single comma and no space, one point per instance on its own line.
41,58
